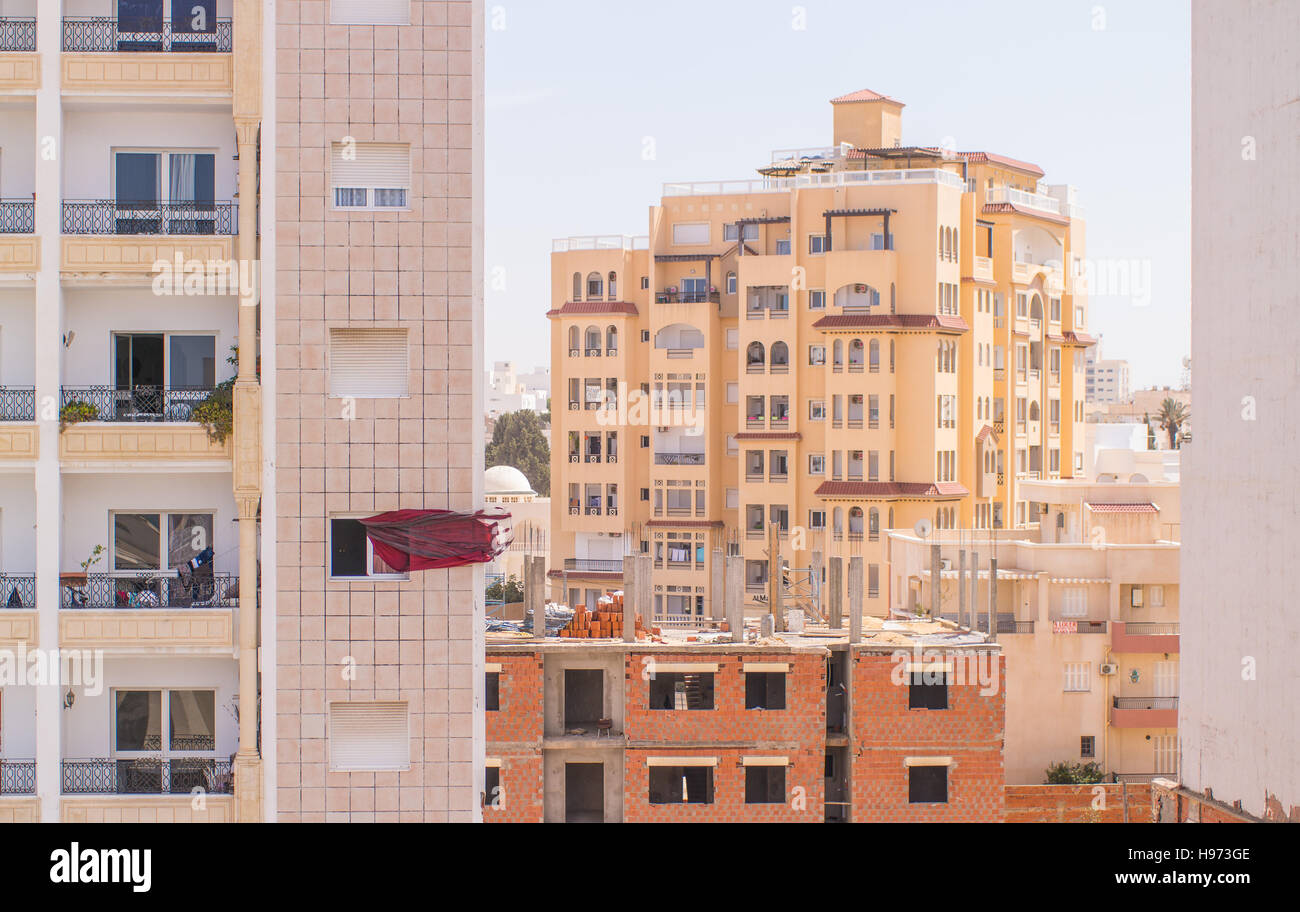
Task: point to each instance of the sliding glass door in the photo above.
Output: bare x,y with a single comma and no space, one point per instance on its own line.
183,203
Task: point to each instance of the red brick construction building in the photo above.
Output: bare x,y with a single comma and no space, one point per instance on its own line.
805,730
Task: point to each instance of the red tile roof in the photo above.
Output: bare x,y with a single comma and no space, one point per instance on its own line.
583,308
986,434
1004,161
892,321
1123,508
863,95
875,490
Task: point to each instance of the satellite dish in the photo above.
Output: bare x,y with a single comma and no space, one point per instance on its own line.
924,528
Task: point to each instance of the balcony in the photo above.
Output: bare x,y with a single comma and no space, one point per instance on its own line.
103,34
17,403
141,405
585,565
1144,712
150,218
17,36
17,593
148,776
101,591
1070,627
679,459
1143,637
17,777
983,270
687,297
1036,201
17,216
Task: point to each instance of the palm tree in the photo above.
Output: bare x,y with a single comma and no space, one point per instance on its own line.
1173,415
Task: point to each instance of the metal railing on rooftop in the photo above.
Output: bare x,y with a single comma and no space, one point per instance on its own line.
149,217
831,179
998,195
600,242
106,34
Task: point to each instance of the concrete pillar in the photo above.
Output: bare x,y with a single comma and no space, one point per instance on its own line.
974,590
535,583
630,593
936,578
835,582
856,583
49,351
645,588
718,586
775,583
1044,613
735,595
815,580
993,600
1114,605
961,587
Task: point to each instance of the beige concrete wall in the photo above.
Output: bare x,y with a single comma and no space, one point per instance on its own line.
417,641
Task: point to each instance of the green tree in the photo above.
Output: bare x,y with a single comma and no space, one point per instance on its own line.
1173,415
518,441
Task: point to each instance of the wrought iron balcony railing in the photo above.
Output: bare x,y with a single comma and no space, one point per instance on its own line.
17,34
134,406
102,592
17,777
148,217
17,403
104,34
17,592
1164,703
148,776
17,216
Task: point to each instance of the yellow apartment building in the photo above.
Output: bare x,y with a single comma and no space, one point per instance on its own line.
860,338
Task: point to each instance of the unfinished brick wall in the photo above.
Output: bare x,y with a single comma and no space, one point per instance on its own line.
804,773
520,797
1077,803
802,722
520,719
886,732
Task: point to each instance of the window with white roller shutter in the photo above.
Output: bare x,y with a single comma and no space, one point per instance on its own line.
369,363
369,737
370,12
370,175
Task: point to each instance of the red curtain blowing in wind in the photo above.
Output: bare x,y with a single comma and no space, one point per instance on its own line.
416,540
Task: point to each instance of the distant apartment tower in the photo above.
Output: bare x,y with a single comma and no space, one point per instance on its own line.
1108,381
1239,719
863,337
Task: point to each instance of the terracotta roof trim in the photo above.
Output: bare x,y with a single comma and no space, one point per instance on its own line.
868,490
586,308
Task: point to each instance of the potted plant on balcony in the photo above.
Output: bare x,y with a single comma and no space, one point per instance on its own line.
80,579
217,412
75,412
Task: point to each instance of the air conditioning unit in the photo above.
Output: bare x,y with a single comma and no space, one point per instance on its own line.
1108,671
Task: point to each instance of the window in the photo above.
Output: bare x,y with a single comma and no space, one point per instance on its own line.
816,355
733,340
816,410
733,393
183,180
816,244
681,692
817,519
691,234
1078,677
645,335
765,785
370,12
764,690
816,300
369,737
138,544
370,175
681,785
1074,602
817,464
1087,747
733,498
1157,594
928,690
352,554
164,722
492,692
369,364
927,784
731,283
730,232
492,786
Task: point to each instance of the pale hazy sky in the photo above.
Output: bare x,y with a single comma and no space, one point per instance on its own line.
1096,93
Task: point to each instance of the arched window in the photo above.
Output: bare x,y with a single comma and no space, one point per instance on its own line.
857,352
956,241
595,287
873,524
855,521
575,340
891,356
780,354
875,356
755,356
837,357
1036,309
838,522
577,286
891,517
943,248
1033,411
731,283
613,286
611,339
593,340
893,298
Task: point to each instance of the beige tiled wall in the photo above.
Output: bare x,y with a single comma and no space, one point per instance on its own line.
411,641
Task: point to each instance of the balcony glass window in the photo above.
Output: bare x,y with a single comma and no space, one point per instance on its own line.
351,554
164,721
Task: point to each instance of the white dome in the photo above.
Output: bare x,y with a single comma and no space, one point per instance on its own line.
504,480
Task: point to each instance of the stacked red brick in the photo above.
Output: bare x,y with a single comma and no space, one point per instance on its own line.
605,623
514,734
